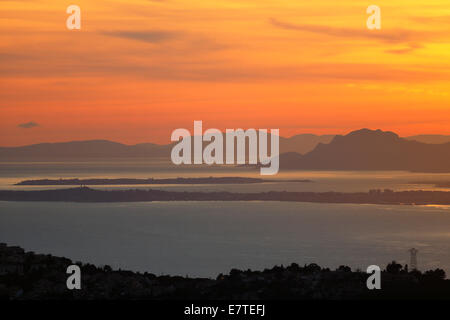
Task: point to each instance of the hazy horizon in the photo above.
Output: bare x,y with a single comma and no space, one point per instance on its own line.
445,138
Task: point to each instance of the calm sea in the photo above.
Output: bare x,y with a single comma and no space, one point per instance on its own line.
207,238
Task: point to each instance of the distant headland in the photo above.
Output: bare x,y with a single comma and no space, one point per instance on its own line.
85,194
150,181
360,150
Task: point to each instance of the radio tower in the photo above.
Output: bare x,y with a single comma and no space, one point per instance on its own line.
413,261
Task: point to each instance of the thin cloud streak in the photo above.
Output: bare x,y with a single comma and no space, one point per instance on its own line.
151,36
388,36
28,125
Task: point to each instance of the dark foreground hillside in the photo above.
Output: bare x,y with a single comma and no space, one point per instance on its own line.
26,275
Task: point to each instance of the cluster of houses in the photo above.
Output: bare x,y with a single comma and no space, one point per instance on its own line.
12,259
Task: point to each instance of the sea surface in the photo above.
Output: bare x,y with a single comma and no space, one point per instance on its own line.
322,181
208,238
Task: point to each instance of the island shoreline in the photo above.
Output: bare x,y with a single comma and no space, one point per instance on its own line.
89,195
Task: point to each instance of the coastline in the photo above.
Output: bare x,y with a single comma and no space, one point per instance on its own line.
29,276
86,194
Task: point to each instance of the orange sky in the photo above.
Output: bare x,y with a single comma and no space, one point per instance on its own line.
139,69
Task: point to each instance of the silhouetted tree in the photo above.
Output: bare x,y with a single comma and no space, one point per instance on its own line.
344,269
311,268
394,267
294,267
437,274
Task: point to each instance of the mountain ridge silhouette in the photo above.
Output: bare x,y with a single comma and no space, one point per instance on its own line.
367,149
363,149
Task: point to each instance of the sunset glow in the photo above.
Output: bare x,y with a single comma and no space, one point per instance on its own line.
138,69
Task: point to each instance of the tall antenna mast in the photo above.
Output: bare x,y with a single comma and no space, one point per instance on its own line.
413,261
